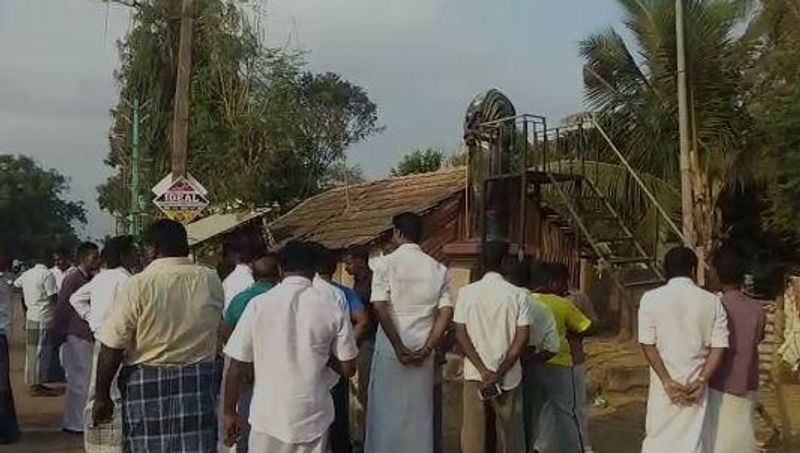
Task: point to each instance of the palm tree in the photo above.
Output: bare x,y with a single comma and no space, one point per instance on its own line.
633,86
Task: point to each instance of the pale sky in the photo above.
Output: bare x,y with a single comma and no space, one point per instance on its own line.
421,61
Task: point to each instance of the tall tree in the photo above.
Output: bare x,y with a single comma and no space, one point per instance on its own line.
775,103
635,87
263,131
333,115
419,161
35,215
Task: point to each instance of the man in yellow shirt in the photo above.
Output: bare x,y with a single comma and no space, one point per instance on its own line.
164,325
558,427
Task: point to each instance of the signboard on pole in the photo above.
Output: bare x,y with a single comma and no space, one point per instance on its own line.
181,199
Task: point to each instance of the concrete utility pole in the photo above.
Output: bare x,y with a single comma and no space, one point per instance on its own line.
180,120
687,205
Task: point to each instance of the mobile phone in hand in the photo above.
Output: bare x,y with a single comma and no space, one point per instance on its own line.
490,393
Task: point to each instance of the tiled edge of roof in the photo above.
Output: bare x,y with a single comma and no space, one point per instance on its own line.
439,172
387,228
362,185
435,203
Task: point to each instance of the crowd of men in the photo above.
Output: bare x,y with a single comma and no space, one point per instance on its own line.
157,351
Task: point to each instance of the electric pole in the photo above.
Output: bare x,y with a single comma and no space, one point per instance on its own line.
687,204
180,120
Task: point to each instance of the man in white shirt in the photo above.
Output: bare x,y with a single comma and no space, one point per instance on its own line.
683,332
492,327
543,345
93,302
242,248
544,341
9,427
331,293
39,292
292,335
62,264
409,293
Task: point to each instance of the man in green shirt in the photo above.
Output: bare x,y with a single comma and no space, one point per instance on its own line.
266,272
559,429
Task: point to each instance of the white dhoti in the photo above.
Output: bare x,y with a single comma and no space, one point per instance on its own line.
400,406
77,358
672,428
730,424
264,443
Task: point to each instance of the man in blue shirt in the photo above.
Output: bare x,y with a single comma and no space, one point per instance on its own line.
355,305
340,429
356,263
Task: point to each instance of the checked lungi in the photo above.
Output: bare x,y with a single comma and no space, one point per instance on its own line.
169,408
42,361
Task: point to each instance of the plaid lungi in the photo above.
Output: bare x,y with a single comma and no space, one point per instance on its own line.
42,361
170,408
107,437
9,429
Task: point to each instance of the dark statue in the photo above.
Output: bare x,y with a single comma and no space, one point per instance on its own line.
489,145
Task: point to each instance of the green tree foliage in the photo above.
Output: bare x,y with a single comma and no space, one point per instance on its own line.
35,216
419,161
634,87
333,114
743,85
263,131
785,189
773,76
775,103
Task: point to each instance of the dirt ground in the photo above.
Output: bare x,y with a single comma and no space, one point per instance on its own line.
616,371
39,418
